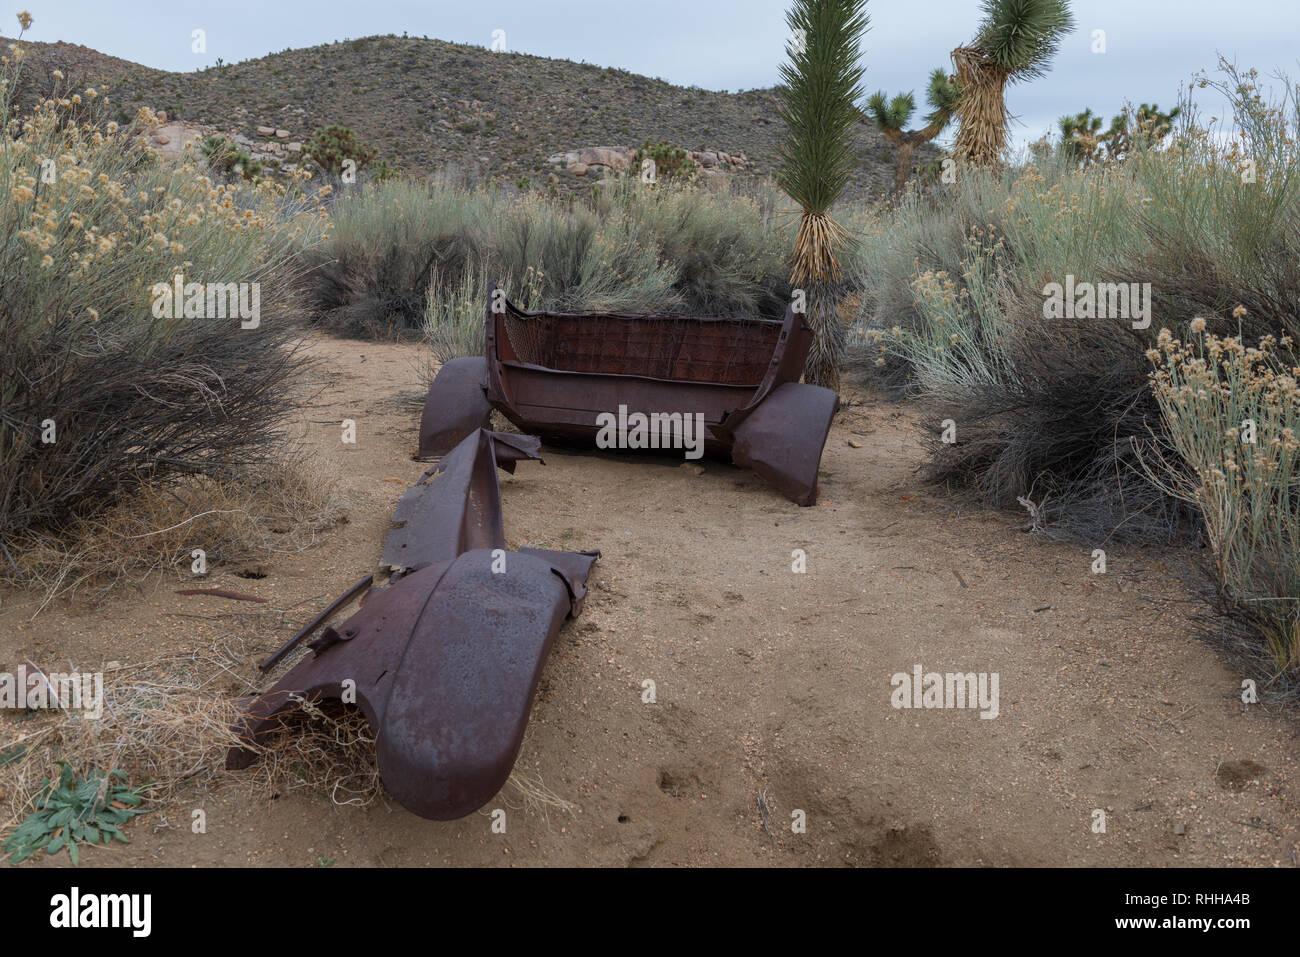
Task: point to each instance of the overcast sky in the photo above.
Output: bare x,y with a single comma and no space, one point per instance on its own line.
1151,46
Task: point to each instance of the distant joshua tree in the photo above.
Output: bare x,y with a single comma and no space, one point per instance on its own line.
1081,136
1015,41
1134,129
892,116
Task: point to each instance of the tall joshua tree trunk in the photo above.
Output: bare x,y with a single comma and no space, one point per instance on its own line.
982,110
817,272
818,95
1016,41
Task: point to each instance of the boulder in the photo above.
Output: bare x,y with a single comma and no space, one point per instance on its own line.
170,140
604,156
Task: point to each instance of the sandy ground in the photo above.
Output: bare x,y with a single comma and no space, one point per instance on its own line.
767,682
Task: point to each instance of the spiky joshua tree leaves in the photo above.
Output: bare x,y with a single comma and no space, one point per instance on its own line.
821,84
892,117
1016,41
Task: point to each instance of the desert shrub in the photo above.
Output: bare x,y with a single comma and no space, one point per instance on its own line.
954,285
386,241
728,250
577,260
332,146
671,164
100,390
1233,422
629,250
227,158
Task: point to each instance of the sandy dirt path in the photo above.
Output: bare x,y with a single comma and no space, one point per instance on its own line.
766,681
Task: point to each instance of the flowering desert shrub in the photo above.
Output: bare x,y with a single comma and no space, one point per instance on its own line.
107,379
1053,405
1233,417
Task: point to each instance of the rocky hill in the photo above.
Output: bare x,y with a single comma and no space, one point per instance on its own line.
427,105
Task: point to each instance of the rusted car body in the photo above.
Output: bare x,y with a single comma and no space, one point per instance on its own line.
555,374
444,660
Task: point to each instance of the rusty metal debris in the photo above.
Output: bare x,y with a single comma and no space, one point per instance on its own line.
555,374
316,622
465,510
445,659
221,593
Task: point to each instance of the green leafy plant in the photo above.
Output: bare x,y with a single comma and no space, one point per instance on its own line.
333,146
77,809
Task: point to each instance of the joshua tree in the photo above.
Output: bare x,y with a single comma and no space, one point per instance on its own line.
821,85
1133,129
1139,129
1081,136
1015,42
893,115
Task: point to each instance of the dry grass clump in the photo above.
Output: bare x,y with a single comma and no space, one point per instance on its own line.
281,507
167,723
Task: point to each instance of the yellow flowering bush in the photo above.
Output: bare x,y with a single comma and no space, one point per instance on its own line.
1233,418
99,387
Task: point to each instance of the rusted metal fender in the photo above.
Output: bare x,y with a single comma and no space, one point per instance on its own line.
445,664
455,407
456,505
782,438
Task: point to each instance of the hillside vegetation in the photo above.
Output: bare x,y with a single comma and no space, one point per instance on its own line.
428,105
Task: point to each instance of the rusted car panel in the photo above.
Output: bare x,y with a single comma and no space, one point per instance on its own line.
445,663
782,439
554,374
455,407
445,659
456,505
